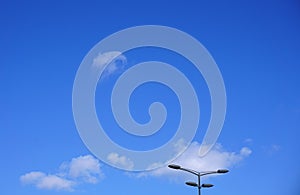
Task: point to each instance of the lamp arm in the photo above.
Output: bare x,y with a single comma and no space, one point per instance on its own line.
208,173
190,171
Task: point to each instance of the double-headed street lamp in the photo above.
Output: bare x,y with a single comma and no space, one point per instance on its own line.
199,174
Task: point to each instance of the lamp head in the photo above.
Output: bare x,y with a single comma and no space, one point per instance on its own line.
190,183
207,185
222,171
172,166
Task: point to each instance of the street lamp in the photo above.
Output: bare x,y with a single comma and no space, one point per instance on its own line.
199,174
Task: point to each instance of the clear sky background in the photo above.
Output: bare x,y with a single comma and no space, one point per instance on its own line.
256,45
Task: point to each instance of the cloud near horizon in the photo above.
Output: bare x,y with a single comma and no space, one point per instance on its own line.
83,169
86,169
217,158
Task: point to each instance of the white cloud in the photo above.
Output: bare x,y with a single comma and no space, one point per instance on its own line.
122,161
43,181
32,177
112,61
55,182
86,168
217,158
83,169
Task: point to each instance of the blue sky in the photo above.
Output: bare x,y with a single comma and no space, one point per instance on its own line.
256,45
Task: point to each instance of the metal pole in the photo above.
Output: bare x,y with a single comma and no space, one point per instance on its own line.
199,186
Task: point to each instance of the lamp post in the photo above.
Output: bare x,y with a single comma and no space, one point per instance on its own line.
199,174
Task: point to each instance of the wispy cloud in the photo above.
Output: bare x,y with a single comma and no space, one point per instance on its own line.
217,158
248,141
271,149
83,169
112,61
